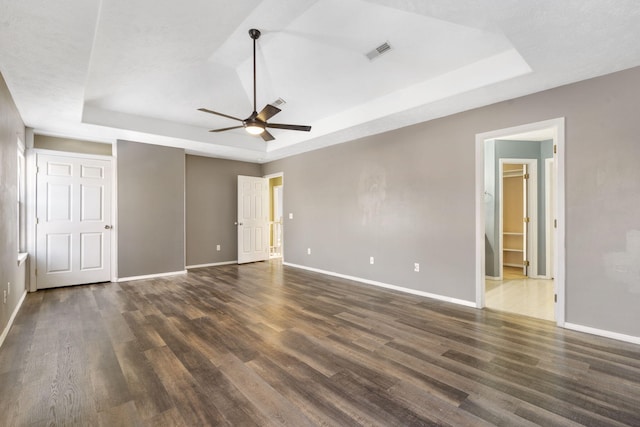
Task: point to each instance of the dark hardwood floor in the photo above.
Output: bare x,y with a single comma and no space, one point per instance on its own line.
262,344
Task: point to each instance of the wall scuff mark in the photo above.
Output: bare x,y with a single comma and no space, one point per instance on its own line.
624,267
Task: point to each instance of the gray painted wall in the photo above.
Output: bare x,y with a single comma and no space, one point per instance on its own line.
211,208
502,149
11,127
408,196
392,196
71,145
150,209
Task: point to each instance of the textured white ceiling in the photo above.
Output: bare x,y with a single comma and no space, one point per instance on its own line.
139,69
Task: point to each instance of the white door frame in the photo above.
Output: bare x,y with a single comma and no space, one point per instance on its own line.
32,155
557,126
549,195
532,206
277,175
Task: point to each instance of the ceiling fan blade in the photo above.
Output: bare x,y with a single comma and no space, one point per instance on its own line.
267,112
219,114
223,129
288,127
267,136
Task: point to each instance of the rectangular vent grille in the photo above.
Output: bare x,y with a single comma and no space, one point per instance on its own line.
383,48
278,102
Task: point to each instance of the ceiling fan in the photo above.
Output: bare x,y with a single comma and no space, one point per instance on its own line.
256,123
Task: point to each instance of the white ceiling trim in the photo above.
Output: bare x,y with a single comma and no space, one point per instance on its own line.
485,72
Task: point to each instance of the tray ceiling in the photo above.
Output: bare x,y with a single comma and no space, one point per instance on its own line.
138,70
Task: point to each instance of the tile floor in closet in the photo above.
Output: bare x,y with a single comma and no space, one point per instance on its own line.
521,295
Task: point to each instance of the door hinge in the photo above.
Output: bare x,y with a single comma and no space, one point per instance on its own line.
525,263
37,221
555,297
555,223
555,149
525,219
525,176
37,170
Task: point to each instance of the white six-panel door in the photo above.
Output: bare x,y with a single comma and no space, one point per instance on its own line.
253,219
73,230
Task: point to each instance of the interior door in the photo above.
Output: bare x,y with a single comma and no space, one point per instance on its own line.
253,219
73,211
552,216
526,219
276,203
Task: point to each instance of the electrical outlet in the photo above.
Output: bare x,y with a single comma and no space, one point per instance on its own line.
416,267
370,260
218,248
291,215
308,251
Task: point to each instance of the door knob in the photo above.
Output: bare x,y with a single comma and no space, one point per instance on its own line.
107,227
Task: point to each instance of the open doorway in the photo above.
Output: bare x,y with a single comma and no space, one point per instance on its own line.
522,286
276,187
517,217
520,260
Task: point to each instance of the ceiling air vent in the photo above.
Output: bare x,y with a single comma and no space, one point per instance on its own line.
384,47
278,102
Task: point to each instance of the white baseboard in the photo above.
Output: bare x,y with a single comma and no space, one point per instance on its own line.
12,318
500,278
151,276
543,277
602,333
386,285
213,264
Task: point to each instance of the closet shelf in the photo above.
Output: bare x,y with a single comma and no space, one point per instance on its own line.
512,250
511,233
517,173
511,264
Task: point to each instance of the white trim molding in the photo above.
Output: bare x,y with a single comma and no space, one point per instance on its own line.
31,210
386,285
213,264
602,333
12,318
114,212
151,276
22,257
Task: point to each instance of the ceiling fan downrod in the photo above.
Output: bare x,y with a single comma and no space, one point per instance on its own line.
255,35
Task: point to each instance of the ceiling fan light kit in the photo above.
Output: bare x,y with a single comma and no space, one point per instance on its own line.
256,123
254,128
